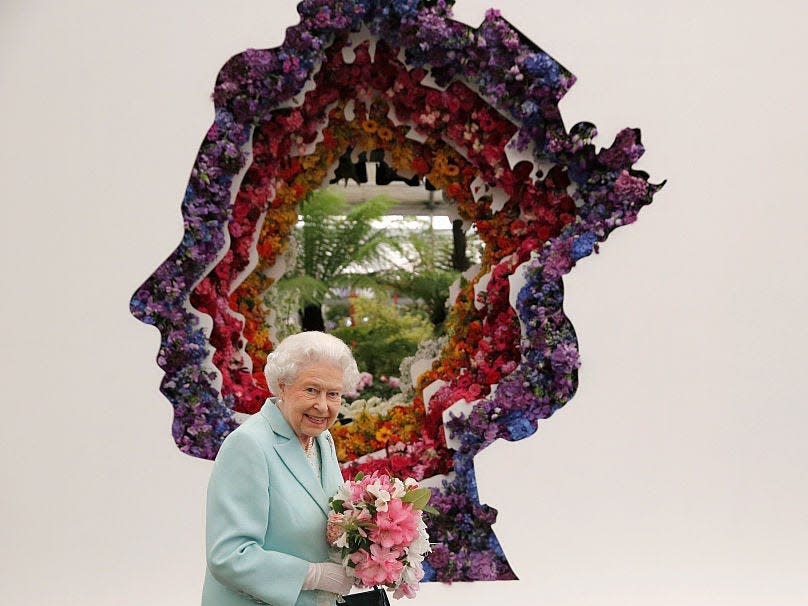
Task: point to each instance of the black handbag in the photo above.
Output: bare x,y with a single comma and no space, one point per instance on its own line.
375,597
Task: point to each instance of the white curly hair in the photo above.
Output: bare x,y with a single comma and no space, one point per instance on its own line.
296,351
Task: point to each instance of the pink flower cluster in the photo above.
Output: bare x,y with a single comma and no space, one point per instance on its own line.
377,524
365,380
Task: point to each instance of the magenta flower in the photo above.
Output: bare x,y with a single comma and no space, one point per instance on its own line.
378,567
396,527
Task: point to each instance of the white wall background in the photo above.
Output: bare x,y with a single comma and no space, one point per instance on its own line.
677,475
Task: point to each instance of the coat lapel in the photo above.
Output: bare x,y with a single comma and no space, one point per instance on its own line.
292,455
329,469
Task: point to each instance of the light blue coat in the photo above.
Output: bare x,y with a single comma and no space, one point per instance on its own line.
266,514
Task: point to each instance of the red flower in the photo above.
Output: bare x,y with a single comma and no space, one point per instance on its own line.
418,74
492,154
434,99
454,190
420,166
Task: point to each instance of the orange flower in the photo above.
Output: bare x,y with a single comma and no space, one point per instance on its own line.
451,170
370,126
385,134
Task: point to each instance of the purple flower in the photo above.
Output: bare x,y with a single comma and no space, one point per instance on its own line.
481,566
439,557
560,261
625,150
564,357
632,190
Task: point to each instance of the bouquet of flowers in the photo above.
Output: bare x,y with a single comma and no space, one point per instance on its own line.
377,524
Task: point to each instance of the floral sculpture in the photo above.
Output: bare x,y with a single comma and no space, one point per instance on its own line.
474,111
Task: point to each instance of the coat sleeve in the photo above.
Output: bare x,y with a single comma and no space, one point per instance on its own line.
237,519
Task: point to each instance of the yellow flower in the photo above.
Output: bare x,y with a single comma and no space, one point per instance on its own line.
385,134
342,452
402,157
370,126
383,435
310,161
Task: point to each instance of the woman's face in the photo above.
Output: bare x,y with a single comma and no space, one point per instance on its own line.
311,401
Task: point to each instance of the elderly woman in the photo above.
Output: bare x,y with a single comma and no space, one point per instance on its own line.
268,492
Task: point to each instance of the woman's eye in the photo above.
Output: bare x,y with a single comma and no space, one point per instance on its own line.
312,391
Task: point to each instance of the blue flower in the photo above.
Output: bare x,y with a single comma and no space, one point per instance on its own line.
520,428
429,572
406,8
494,546
582,246
543,67
529,108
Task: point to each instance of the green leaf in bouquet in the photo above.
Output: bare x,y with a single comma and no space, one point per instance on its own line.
359,476
357,542
336,505
418,497
430,509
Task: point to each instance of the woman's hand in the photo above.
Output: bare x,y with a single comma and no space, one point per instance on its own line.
328,577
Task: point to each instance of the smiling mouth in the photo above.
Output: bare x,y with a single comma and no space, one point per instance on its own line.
317,420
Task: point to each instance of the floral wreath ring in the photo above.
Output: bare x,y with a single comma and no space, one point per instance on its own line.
474,110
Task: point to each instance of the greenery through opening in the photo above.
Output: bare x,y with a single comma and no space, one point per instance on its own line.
379,282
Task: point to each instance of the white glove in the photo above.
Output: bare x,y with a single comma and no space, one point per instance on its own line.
328,577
